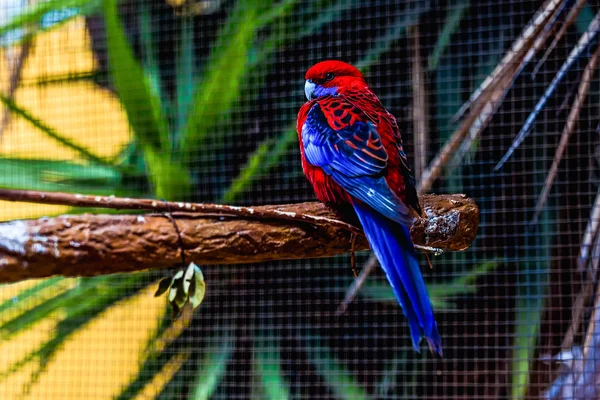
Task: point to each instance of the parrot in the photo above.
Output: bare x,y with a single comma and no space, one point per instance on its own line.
351,152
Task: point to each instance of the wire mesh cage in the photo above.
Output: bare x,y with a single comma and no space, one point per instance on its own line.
197,101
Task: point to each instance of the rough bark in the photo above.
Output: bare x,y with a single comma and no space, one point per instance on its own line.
87,245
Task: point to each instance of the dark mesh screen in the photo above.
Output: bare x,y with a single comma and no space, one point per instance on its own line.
227,82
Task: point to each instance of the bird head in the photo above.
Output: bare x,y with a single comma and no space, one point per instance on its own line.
331,77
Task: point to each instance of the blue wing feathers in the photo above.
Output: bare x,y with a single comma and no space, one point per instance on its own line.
376,193
346,150
356,160
395,252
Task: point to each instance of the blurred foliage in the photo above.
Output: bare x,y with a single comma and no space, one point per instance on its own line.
183,102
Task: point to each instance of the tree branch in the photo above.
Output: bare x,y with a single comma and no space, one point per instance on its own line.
88,245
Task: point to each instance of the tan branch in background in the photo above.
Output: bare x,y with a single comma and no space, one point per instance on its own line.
88,245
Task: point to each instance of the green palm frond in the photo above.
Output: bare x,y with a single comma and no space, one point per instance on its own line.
266,367
340,381
48,175
449,28
80,303
51,132
216,92
144,110
441,294
214,363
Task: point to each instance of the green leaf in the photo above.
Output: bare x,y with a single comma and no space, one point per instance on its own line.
84,308
171,181
448,100
219,88
198,287
393,33
450,26
585,18
142,105
531,295
187,285
163,286
440,293
152,366
149,57
185,72
79,305
61,79
274,12
401,365
248,173
23,321
46,175
325,13
100,292
338,379
214,363
471,277
144,111
382,292
21,300
263,160
266,363
178,296
62,139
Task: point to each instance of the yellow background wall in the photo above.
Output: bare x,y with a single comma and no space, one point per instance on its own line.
104,356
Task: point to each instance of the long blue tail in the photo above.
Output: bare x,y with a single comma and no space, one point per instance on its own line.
393,248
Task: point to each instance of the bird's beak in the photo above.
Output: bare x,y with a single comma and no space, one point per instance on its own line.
309,88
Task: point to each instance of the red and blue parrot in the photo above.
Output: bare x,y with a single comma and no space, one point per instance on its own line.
352,155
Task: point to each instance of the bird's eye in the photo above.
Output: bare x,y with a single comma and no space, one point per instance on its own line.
329,76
